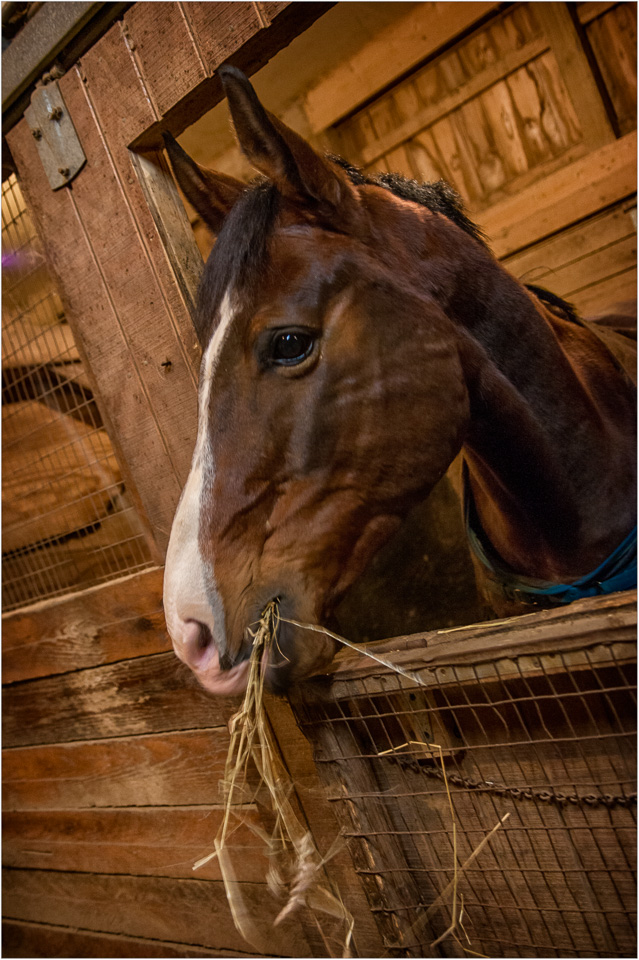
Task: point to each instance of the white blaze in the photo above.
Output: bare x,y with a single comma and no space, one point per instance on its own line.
190,590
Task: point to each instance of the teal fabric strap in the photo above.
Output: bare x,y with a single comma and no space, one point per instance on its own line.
617,572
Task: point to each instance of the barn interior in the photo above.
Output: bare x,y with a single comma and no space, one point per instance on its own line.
112,755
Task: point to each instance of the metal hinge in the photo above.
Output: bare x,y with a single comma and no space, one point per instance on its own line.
57,142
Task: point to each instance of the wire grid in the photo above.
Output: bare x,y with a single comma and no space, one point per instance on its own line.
67,517
557,879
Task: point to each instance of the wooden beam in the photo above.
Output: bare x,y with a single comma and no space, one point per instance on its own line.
298,759
90,628
190,911
20,939
590,184
145,841
136,696
585,623
576,73
396,51
166,769
587,12
475,86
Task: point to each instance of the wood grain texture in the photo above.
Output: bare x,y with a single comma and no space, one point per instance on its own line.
187,911
141,841
86,629
583,262
576,72
598,298
603,177
297,755
125,242
30,940
120,112
613,38
581,624
157,32
220,29
124,404
136,696
417,35
165,769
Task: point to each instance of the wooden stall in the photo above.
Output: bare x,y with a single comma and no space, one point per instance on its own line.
111,752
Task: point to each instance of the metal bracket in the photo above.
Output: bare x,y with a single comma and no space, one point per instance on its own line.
57,142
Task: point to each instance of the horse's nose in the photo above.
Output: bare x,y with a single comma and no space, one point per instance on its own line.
196,644
198,649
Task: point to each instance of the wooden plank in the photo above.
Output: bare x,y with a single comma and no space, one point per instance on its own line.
137,696
617,258
297,755
172,223
584,623
614,41
600,297
141,841
595,233
186,911
395,51
220,29
248,34
181,768
157,32
120,112
589,11
124,404
43,940
576,191
151,317
93,627
30,940
476,85
558,25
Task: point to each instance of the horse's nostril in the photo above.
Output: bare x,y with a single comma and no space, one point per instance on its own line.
226,662
196,641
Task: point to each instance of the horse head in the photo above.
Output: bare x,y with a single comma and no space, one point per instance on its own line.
331,394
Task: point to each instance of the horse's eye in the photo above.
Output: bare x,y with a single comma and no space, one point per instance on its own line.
291,347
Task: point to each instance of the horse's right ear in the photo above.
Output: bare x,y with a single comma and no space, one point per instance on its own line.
212,194
283,156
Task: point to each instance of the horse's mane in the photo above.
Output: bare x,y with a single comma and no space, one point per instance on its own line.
437,196
554,301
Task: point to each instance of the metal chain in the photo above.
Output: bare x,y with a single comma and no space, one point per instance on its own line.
521,793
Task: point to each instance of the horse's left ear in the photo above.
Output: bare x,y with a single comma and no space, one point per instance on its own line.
286,158
212,194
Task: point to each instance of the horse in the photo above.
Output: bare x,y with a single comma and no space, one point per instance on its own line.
358,335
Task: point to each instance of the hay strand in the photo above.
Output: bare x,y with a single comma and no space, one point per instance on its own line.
296,868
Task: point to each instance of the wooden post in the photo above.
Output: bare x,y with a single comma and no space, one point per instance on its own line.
576,72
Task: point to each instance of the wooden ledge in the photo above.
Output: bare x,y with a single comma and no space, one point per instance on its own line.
583,624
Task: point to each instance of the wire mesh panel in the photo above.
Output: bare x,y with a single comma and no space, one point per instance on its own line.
494,807
67,518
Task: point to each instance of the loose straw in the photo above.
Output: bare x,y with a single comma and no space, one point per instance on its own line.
296,867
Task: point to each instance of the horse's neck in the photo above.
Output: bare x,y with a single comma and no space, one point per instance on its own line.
549,466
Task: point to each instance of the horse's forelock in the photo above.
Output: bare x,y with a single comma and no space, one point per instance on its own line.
239,255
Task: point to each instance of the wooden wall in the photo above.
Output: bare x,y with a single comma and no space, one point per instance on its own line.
111,752
531,94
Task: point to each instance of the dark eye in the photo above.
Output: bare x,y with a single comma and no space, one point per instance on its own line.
291,347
